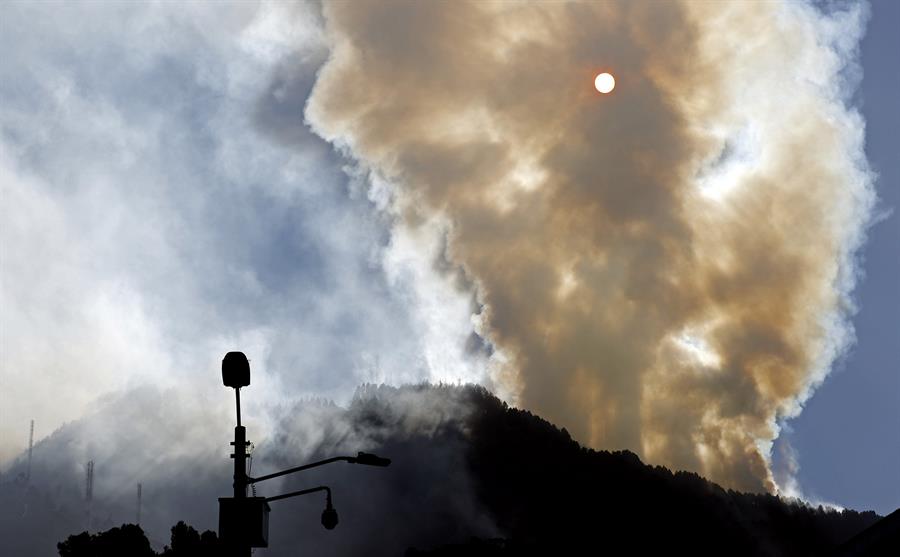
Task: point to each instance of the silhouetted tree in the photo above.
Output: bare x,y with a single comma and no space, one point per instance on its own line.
129,540
186,542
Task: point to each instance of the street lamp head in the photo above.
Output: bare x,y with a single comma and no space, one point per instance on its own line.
329,517
235,370
371,460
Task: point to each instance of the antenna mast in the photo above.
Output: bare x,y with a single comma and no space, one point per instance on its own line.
138,522
30,449
89,490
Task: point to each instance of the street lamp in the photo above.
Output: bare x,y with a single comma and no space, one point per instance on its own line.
244,521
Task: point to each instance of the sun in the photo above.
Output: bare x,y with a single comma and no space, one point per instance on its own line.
605,83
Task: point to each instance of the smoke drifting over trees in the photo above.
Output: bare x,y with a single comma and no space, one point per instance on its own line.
465,466
664,269
424,498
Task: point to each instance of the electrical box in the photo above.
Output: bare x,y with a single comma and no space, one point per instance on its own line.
244,522
235,370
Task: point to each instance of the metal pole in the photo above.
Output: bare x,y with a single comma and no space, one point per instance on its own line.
240,452
237,398
240,467
240,462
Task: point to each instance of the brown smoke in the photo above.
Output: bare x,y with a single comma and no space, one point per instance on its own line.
666,267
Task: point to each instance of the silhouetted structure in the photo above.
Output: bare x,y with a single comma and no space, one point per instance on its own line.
244,521
89,491
30,451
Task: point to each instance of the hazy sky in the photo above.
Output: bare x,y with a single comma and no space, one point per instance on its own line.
165,200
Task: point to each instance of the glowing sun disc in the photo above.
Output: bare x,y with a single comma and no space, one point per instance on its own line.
605,83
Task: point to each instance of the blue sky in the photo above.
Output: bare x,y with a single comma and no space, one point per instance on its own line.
165,201
848,436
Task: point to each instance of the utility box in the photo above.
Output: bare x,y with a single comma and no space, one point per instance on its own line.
235,370
244,522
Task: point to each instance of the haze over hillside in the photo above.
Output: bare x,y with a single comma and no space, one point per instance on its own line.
466,466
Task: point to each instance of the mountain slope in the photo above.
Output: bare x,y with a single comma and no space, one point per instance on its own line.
550,495
470,476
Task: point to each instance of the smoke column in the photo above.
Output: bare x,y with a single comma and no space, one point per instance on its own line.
666,268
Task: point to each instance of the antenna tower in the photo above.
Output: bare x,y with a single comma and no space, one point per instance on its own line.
89,490
138,522
30,449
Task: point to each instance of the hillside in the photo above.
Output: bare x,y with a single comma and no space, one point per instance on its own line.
470,476
549,494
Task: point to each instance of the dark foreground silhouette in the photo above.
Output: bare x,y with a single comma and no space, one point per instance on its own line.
544,494
554,497
129,540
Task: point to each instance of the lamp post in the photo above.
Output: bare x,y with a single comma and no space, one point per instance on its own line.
244,521
236,374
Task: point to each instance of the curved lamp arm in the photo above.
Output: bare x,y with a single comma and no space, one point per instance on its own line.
361,458
324,488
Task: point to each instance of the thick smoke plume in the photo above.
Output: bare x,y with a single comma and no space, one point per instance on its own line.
665,268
